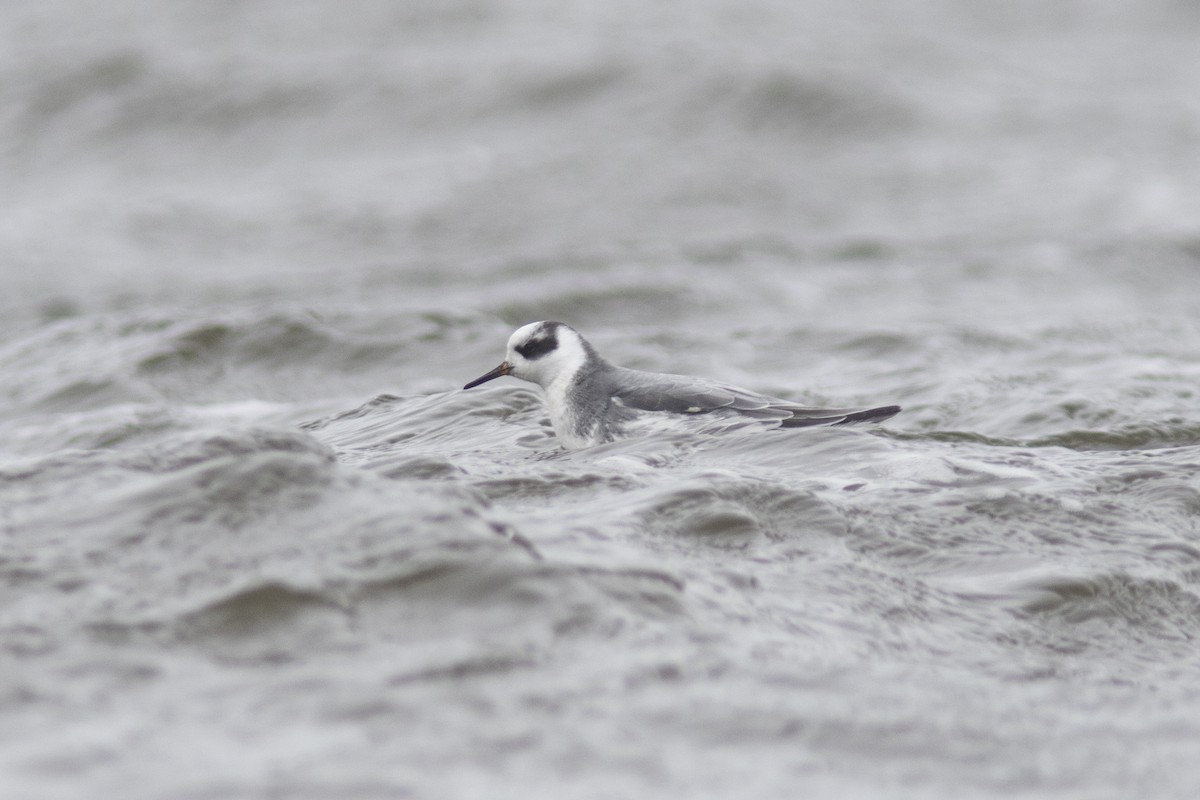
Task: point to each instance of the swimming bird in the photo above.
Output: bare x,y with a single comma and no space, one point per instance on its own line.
592,401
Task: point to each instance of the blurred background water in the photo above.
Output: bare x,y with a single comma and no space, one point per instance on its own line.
254,542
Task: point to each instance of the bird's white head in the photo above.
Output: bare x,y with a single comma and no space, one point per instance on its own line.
542,353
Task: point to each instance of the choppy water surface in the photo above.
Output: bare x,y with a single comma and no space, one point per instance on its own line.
255,542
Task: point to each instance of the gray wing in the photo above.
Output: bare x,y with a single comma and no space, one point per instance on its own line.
680,394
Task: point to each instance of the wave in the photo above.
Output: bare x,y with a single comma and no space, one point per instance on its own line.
260,546
405,435
478,591
276,340
82,364
1134,436
718,511
1110,611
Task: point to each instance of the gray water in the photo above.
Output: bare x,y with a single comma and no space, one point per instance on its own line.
256,543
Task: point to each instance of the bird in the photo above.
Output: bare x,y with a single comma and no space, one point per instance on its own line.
592,401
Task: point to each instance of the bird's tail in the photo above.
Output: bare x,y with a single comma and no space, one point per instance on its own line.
839,416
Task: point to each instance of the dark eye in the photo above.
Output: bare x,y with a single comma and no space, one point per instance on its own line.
538,346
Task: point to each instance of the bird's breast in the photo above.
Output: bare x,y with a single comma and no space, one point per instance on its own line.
577,414
564,417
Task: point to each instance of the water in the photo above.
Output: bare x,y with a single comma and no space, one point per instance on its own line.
254,542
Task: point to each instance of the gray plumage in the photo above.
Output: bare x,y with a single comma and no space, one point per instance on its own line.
592,401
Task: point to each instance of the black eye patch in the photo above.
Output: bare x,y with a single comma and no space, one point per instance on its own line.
539,345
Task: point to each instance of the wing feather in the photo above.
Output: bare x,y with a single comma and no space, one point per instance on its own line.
680,394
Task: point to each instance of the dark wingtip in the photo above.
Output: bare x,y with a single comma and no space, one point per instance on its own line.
870,415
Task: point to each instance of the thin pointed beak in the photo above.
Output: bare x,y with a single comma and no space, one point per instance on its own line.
503,369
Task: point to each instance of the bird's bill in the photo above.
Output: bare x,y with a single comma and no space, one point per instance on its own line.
499,371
